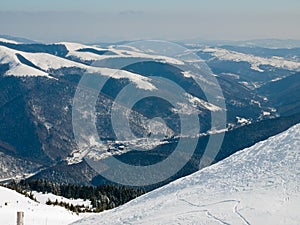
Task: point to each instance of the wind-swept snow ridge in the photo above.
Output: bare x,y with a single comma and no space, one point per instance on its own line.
258,185
8,41
46,62
16,68
74,50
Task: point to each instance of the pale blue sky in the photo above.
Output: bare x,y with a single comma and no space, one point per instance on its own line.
93,20
153,5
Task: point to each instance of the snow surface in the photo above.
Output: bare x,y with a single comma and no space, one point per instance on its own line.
8,41
134,52
243,121
255,61
258,185
34,213
47,61
138,54
8,56
74,47
43,198
199,102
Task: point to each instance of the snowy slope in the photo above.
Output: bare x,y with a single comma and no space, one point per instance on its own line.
46,61
255,61
35,213
120,52
8,41
74,47
16,68
43,198
258,185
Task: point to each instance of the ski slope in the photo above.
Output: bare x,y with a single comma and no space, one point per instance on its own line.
258,185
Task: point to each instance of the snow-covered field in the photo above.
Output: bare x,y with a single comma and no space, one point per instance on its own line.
43,198
35,213
258,185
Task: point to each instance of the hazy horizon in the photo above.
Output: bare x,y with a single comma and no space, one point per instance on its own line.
92,21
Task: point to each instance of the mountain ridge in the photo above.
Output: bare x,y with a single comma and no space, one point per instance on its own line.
36,111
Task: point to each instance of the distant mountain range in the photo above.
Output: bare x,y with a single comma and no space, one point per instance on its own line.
39,81
264,43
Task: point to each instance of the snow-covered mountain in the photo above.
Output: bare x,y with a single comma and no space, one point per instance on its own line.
38,83
258,185
254,61
246,65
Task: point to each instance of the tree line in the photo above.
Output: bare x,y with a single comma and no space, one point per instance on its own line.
101,197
